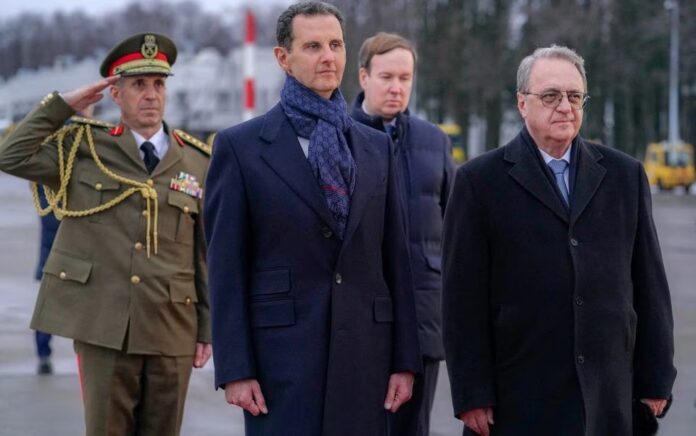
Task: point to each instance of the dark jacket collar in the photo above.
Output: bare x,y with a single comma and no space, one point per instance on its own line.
374,121
284,155
530,172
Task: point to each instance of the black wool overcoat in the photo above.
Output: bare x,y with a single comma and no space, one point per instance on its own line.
555,317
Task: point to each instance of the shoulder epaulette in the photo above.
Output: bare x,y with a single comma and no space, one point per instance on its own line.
202,146
83,120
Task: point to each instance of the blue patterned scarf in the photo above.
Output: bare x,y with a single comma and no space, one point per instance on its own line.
325,123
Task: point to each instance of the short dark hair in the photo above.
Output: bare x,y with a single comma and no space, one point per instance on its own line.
284,34
383,43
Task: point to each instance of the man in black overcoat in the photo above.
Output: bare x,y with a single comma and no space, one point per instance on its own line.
556,309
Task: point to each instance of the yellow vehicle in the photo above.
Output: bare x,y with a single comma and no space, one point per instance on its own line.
455,134
669,166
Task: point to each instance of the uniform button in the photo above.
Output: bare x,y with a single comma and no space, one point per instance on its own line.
581,359
187,300
150,182
135,280
186,209
573,242
326,232
579,301
98,186
63,275
138,246
144,212
339,279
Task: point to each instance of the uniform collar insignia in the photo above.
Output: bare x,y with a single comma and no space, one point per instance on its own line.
116,130
178,138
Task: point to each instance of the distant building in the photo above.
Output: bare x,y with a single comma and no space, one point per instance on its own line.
204,95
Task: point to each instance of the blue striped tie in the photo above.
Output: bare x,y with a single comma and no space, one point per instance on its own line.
559,168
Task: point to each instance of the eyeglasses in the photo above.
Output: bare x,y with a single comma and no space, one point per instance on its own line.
551,99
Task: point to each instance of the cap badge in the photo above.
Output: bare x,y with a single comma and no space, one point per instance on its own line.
149,48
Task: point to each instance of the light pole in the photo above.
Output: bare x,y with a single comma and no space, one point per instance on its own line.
673,7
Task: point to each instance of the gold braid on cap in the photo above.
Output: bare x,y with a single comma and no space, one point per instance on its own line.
58,200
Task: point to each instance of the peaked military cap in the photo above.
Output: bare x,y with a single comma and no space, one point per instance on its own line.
143,53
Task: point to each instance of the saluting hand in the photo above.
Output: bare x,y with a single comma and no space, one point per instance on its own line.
247,395
81,98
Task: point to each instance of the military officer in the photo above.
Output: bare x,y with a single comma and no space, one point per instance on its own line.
126,278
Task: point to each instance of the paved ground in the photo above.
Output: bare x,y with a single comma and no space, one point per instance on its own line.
32,405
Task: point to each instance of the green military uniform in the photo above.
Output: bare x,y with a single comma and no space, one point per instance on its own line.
126,278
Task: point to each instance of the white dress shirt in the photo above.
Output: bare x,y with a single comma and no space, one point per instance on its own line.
160,140
304,143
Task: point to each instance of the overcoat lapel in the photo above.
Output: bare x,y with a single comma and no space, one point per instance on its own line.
528,173
284,156
366,180
587,180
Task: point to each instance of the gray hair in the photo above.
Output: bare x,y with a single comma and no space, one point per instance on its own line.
553,52
284,34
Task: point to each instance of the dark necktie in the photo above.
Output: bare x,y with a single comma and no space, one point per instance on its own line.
150,158
391,132
559,167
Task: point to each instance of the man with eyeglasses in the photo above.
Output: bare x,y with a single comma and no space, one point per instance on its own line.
556,310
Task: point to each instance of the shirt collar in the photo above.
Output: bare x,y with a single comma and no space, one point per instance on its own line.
364,108
159,140
548,158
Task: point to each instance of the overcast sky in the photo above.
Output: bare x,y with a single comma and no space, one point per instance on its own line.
11,8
